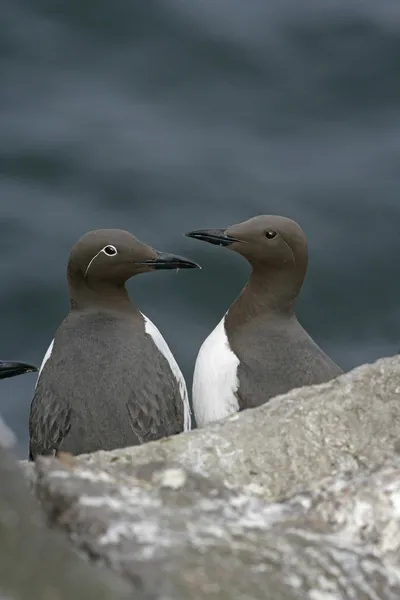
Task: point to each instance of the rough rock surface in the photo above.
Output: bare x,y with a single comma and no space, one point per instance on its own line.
38,564
294,439
190,537
188,517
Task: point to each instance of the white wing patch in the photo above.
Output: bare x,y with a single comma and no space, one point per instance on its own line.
44,361
215,379
162,345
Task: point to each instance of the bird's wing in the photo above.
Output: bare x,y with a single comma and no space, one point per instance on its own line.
159,342
156,408
49,422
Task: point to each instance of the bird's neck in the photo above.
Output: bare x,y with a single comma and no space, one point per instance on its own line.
101,295
268,293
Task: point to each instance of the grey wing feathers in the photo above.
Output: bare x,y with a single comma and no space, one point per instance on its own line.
142,424
148,420
155,410
49,424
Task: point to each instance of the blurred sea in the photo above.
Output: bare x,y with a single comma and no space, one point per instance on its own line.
162,116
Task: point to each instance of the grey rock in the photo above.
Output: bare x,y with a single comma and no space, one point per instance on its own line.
188,516
294,439
192,537
39,564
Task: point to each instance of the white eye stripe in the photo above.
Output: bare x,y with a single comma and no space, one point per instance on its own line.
106,250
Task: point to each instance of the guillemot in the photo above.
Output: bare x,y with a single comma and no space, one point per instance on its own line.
259,349
108,379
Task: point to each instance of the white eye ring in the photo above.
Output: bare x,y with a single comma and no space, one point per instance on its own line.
110,250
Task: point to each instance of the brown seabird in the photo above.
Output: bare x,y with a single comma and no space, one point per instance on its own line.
108,379
259,349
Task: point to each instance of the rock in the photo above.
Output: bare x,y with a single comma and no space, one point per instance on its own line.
190,536
296,438
36,563
188,516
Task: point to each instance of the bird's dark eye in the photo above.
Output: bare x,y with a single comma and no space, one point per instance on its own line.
270,234
110,250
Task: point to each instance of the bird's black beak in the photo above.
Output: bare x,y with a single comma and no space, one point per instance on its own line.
11,369
217,237
170,261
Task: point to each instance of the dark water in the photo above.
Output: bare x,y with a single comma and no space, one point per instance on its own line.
165,116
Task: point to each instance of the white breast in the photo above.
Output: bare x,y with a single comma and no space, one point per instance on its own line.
215,379
44,361
162,345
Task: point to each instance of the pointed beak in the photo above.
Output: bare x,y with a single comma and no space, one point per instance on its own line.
11,369
170,261
218,237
